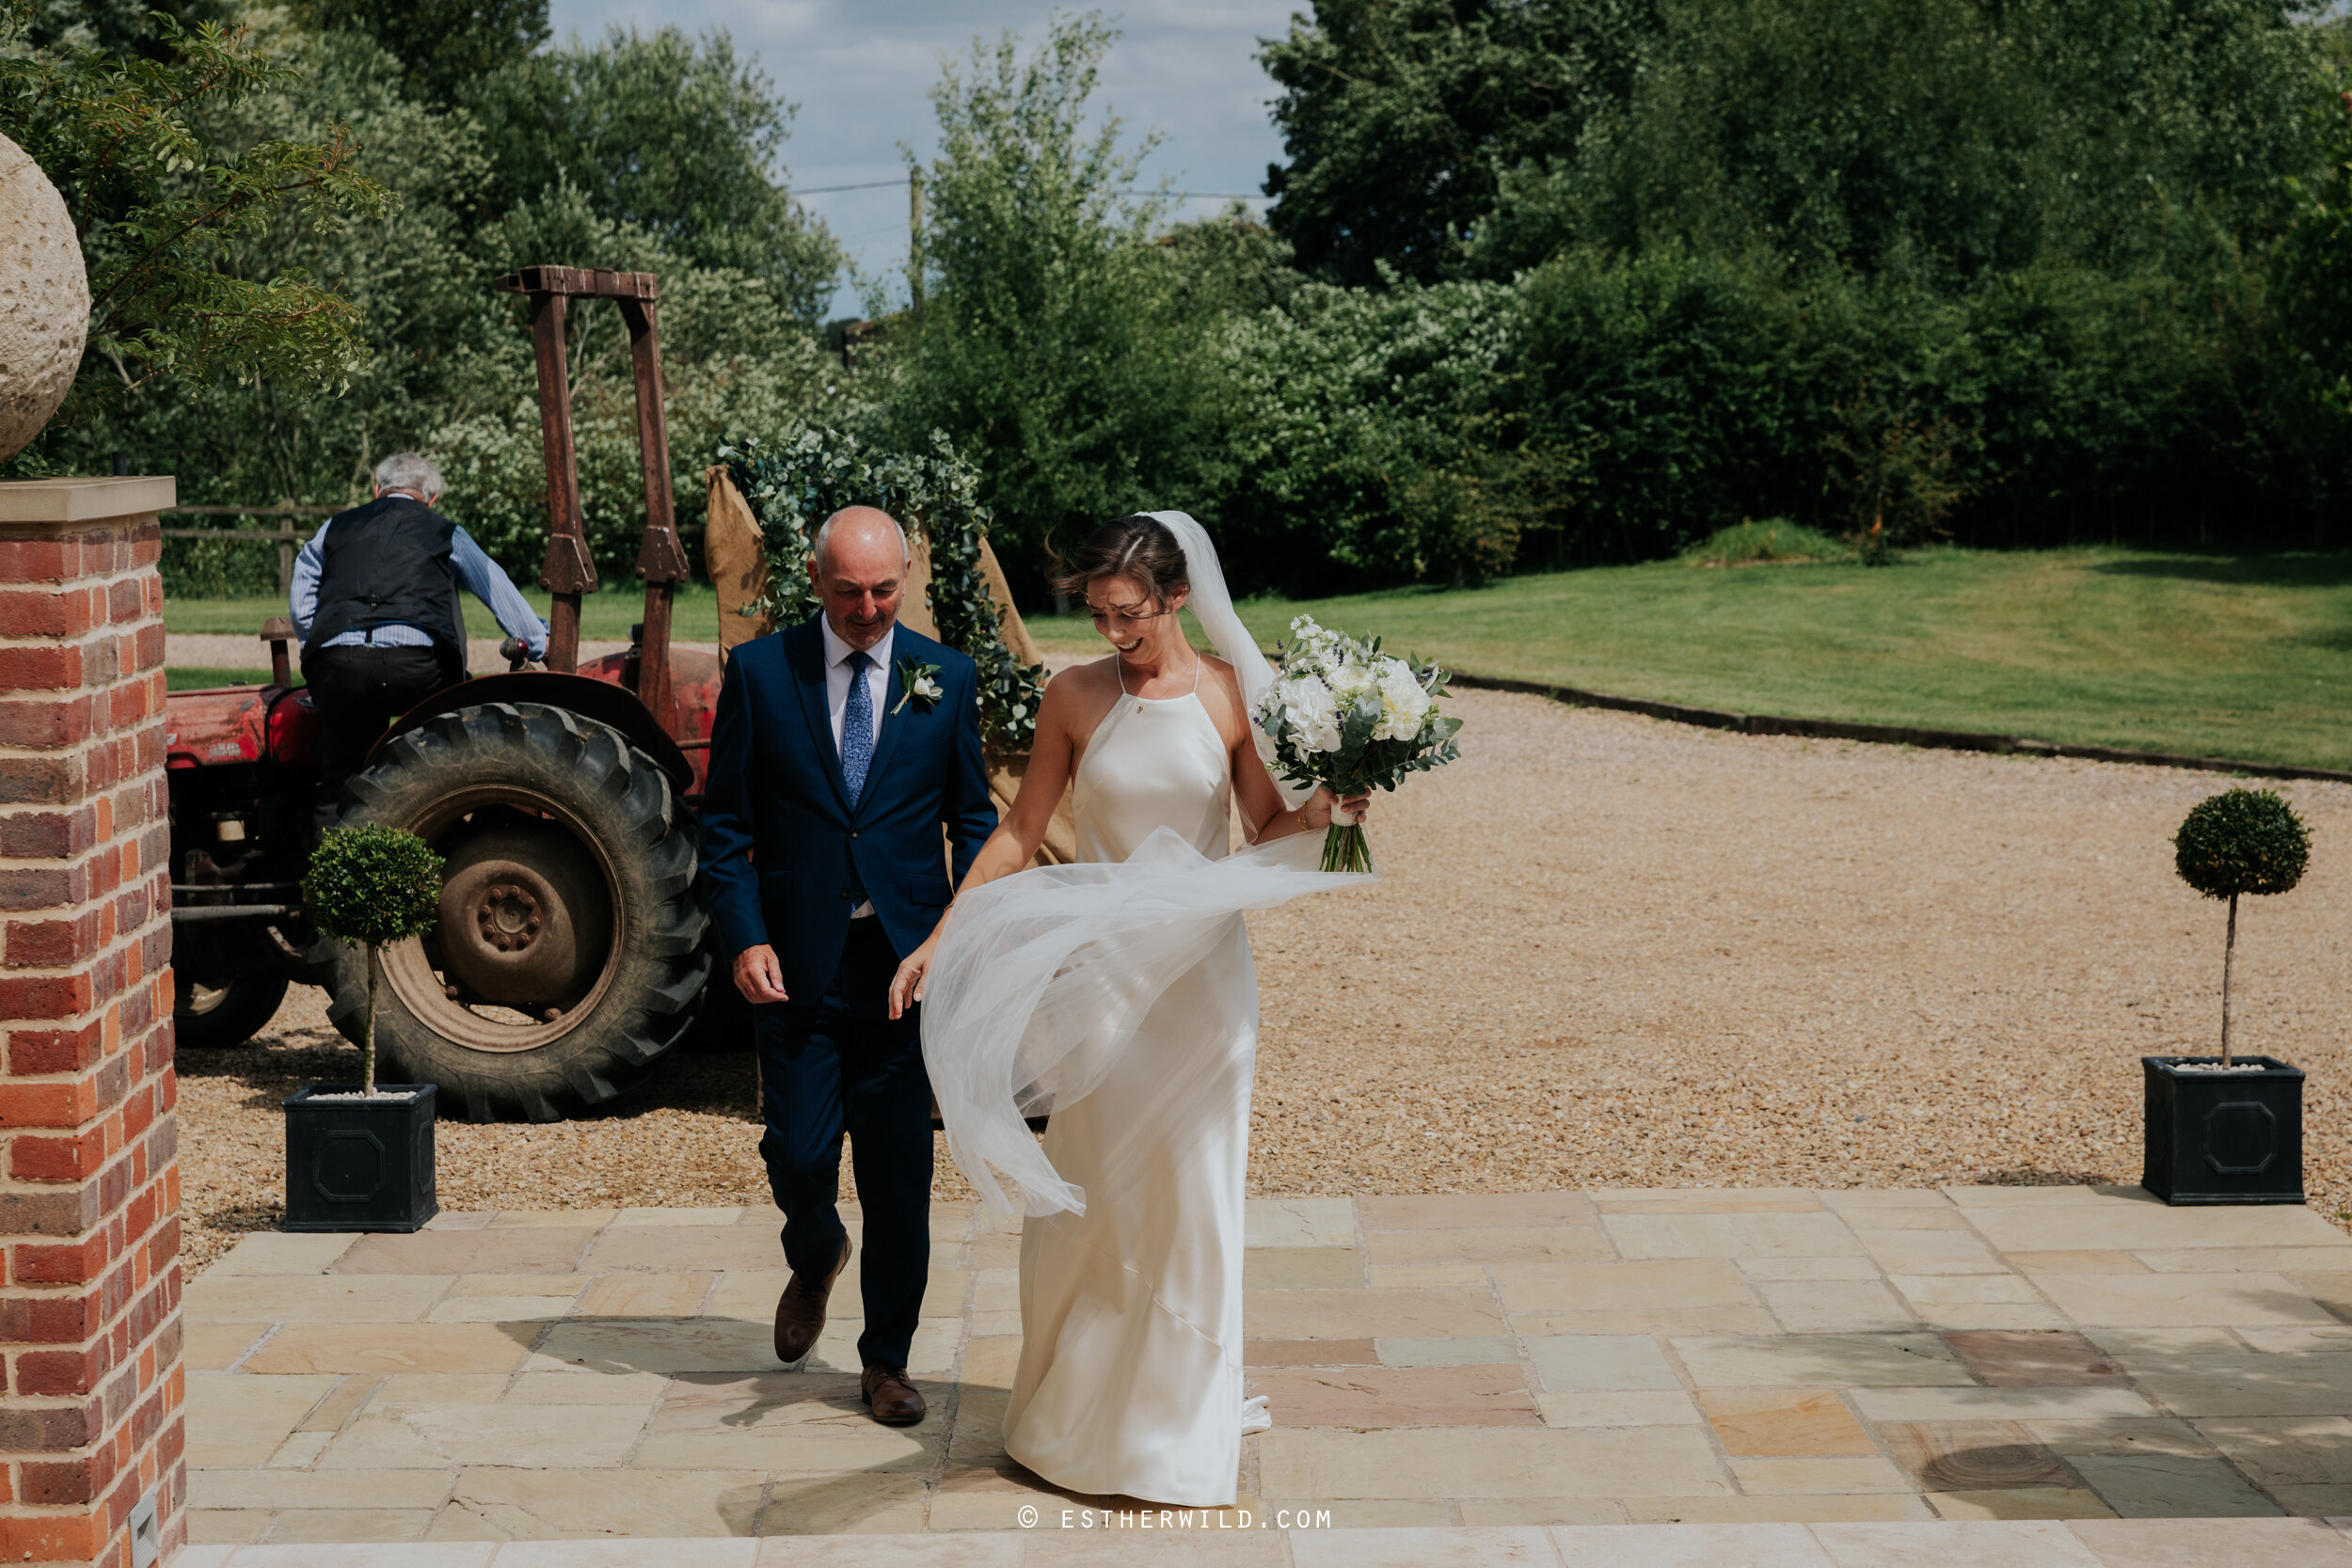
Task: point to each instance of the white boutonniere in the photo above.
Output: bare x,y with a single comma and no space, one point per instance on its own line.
920,684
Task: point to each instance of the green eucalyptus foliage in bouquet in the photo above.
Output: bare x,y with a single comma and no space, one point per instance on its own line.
2236,841
371,886
1343,714
792,484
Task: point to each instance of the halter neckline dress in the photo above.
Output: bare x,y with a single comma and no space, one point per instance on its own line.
1130,1380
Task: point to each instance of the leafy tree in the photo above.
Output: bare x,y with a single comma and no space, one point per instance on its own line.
445,364
1061,349
1949,135
1937,139
1397,116
2309,336
673,136
405,271
118,26
442,45
1374,436
157,191
735,359
373,885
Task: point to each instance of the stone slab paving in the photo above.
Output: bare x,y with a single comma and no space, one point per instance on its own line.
2015,1375
2075,1543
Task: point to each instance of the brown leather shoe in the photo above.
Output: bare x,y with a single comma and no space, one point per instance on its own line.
894,1398
800,1312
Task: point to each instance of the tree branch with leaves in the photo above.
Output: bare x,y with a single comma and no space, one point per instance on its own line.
156,188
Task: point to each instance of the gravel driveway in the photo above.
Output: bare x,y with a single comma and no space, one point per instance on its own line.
1611,951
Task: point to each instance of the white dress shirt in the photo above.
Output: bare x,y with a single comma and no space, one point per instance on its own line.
837,696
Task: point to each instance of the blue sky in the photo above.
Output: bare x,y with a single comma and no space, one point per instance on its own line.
858,73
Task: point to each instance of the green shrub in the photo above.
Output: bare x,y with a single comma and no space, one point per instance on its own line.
1775,540
1374,432
373,885
2238,842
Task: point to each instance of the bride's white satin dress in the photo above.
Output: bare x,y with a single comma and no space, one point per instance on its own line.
1130,1379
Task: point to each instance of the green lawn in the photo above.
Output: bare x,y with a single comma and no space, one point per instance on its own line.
604,616
2248,658
197,678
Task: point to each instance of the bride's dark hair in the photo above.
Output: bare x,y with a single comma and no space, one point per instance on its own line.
1136,546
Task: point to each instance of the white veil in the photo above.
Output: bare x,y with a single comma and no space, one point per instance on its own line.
1043,980
1212,605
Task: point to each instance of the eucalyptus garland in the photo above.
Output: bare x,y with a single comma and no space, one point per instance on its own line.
794,483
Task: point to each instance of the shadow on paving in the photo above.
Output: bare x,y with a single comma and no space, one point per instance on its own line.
706,1082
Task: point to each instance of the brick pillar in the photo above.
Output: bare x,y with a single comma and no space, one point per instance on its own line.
90,1419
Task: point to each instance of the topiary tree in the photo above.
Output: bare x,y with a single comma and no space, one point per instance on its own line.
371,885
2240,841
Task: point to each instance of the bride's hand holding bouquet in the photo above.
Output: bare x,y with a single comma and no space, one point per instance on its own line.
1343,715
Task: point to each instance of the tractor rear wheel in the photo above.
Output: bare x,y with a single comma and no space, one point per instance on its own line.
207,1017
569,952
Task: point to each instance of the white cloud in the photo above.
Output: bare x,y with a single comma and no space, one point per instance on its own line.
860,71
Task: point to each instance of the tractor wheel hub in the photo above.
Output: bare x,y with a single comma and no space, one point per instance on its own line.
509,917
526,917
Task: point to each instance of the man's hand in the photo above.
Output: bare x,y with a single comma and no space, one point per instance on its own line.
758,976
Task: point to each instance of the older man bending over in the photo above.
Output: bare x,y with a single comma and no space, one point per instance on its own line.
375,604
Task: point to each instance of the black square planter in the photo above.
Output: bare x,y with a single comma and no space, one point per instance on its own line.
360,1165
2224,1137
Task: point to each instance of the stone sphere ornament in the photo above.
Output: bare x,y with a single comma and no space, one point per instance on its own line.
44,299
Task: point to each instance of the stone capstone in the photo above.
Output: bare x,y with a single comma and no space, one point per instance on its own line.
44,299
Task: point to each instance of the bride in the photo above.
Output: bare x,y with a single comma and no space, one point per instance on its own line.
1119,994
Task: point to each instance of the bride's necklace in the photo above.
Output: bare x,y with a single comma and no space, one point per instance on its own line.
1141,700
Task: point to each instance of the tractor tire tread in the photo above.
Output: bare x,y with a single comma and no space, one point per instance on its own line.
652,847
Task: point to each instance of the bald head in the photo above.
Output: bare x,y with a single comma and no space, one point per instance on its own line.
857,527
859,569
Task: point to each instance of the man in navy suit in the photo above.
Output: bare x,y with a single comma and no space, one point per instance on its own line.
830,783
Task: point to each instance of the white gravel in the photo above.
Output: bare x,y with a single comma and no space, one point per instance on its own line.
1612,951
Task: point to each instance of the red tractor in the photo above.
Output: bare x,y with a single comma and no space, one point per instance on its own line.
571,950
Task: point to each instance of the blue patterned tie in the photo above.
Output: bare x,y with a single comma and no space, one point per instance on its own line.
857,726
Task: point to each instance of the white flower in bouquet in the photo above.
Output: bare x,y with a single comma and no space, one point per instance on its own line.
1312,712
1403,702
1347,716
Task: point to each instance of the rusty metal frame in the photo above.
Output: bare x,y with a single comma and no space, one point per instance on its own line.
569,571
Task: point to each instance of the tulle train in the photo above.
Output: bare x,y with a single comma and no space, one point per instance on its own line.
1044,978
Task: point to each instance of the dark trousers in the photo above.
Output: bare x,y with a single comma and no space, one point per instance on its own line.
834,1065
357,692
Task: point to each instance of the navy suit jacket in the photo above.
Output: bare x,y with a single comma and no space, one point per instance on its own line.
779,836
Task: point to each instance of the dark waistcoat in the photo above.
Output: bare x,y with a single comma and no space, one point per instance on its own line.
385,562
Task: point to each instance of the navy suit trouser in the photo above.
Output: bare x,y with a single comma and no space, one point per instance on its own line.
841,1065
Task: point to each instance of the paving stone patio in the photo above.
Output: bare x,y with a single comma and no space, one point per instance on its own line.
1970,1543
1451,1376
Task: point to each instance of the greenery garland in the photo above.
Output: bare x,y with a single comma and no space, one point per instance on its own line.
794,483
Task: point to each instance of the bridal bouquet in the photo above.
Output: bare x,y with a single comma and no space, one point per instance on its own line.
1343,714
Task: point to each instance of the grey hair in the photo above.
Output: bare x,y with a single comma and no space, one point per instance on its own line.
407,470
824,532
